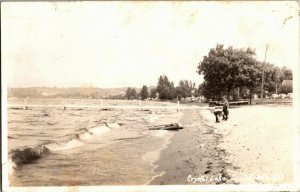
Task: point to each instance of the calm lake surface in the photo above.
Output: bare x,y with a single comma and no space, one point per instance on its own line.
85,146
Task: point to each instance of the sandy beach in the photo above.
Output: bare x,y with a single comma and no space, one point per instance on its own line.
253,147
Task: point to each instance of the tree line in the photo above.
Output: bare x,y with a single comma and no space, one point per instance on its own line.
165,90
227,70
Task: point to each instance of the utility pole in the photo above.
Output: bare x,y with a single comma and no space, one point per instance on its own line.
263,74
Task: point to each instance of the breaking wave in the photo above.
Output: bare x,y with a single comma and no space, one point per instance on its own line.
84,136
54,147
99,130
31,154
151,118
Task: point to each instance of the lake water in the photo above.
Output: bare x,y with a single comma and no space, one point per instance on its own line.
85,146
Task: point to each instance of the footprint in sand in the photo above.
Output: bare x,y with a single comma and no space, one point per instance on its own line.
222,150
236,167
207,171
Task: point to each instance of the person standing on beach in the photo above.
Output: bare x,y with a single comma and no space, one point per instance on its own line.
225,108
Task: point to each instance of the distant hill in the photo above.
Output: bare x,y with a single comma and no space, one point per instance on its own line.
70,92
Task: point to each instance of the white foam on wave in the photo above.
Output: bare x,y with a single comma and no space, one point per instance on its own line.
11,166
153,156
85,136
99,130
160,133
64,146
113,125
151,118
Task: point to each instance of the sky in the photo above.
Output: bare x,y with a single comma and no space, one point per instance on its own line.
130,44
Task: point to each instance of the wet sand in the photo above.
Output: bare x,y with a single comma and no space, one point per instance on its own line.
253,147
193,156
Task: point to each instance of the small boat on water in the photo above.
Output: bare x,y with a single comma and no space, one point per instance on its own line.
172,126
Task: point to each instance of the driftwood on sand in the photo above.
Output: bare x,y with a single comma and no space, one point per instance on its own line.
172,126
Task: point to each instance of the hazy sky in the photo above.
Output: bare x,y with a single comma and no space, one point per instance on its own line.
120,44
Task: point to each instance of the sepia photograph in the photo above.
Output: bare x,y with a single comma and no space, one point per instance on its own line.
150,96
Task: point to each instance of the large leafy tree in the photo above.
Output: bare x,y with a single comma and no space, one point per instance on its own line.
226,69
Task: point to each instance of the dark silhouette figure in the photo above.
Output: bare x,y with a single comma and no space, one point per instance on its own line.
225,108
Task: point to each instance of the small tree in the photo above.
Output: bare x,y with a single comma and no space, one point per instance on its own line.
271,77
128,93
285,74
285,89
134,94
185,88
131,93
144,92
165,88
172,93
153,93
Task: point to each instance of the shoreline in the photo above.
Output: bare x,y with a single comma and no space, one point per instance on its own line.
189,158
154,155
238,151
148,156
